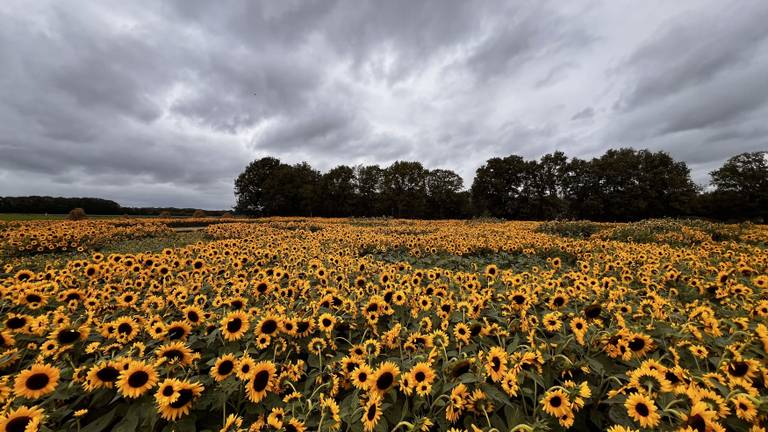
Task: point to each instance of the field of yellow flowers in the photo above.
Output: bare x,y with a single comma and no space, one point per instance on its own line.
288,324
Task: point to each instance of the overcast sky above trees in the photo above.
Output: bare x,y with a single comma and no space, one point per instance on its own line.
165,103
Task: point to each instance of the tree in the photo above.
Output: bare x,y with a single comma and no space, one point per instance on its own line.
368,181
337,192
249,186
444,198
502,187
404,189
741,187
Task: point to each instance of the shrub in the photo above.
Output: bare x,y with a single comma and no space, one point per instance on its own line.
199,214
570,229
77,214
165,214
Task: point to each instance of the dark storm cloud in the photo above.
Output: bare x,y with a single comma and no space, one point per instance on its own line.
163,103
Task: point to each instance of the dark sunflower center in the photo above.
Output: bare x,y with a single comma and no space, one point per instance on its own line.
260,381
67,336
637,344
34,298
593,311
234,325
108,374
167,390
269,327
302,326
193,316
420,376
739,368
175,333
559,301
371,414
18,424
138,379
290,428
496,363
385,380
185,396
697,423
124,328
518,299
174,354
362,376
642,409
16,323
38,381
225,367
556,401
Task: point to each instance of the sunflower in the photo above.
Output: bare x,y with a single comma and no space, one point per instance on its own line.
6,339
276,417
22,419
362,377
551,322
174,407
270,324
643,410
102,375
176,352
371,413
126,329
233,423
294,425
19,323
167,392
261,381
745,408
177,330
136,379
462,333
556,403
640,344
244,367
234,325
702,418
39,380
496,363
223,367
385,377
194,315
422,376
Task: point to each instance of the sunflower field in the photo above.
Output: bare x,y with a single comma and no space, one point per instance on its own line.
296,324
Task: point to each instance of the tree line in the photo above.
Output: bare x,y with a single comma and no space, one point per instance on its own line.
91,206
620,185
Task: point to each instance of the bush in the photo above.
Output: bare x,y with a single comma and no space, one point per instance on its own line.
570,229
227,215
77,214
165,214
199,214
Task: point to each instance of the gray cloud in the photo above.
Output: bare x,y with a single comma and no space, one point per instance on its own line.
586,113
154,103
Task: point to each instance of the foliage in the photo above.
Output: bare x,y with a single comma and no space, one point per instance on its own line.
572,229
384,324
76,214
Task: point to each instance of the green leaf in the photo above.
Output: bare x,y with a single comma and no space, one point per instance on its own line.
128,423
101,423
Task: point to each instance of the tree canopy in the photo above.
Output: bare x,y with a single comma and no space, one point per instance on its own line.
620,185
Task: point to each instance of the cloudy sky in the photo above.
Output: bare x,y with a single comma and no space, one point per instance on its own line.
164,103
